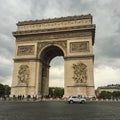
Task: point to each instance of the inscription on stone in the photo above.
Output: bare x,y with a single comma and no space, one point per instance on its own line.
79,46
26,50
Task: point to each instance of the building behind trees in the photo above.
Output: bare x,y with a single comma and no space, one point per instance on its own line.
109,92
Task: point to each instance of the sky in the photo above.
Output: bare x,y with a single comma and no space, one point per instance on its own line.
106,16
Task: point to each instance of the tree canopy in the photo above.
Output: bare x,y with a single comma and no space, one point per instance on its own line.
109,95
4,90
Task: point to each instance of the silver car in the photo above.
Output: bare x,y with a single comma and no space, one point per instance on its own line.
76,99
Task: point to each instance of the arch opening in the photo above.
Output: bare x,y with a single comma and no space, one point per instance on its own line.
56,77
47,55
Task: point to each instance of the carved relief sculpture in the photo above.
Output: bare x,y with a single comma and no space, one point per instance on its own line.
23,75
26,50
80,73
79,46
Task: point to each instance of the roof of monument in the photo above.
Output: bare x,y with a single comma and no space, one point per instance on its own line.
68,18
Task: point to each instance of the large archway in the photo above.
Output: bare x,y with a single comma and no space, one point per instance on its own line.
46,55
38,42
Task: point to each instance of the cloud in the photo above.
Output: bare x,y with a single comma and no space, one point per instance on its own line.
5,67
105,75
57,61
57,72
107,47
56,83
6,80
106,16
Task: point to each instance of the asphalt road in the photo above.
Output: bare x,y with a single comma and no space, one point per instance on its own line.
59,111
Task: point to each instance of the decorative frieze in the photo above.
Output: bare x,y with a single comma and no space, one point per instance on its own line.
80,73
54,24
79,46
26,50
23,75
54,36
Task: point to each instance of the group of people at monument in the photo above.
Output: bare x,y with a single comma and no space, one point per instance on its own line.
19,98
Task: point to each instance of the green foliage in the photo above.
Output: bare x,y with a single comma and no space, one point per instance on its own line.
56,92
4,90
105,95
109,95
116,94
7,89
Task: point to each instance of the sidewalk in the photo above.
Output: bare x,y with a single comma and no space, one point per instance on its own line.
54,99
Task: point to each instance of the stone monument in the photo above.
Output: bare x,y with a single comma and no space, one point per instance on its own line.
39,41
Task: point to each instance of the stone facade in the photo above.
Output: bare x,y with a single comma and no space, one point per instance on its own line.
38,42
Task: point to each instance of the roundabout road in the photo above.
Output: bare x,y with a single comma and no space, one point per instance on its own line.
59,111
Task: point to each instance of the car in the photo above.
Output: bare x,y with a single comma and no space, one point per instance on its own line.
76,99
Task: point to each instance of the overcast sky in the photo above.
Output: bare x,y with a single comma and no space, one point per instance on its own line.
106,16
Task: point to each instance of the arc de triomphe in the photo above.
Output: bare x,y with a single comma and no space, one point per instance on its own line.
39,41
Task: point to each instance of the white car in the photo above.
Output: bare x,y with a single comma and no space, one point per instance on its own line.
76,99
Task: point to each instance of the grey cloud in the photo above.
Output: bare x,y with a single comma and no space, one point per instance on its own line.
5,70
107,35
5,80
57,61
7,46
108,47
57,77
38,8
106,16
107,51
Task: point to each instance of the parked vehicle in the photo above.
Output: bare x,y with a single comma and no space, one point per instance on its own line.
76,99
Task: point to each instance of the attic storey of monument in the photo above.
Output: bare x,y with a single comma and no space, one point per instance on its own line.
38,42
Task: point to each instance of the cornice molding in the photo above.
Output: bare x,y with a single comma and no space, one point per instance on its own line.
23,86
25,59
80,56
55,30
61,19
81,86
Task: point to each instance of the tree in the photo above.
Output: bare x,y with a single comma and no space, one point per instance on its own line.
56,92
116,94
105,95
7,89
59,92
4,90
